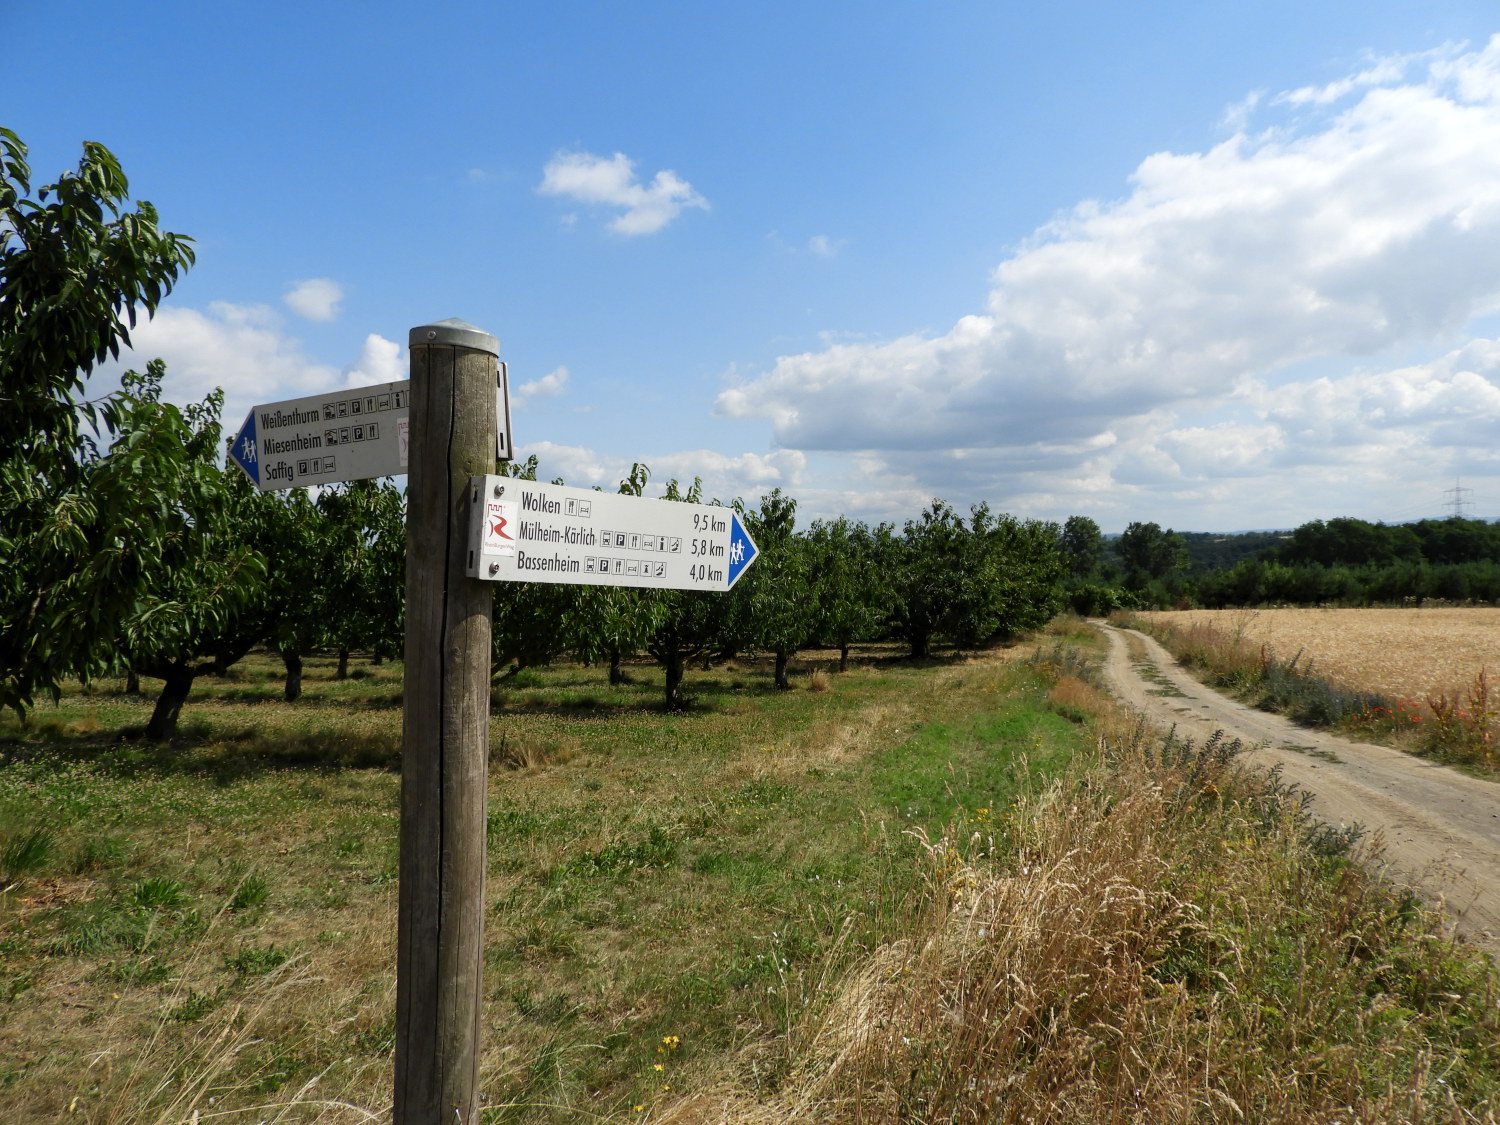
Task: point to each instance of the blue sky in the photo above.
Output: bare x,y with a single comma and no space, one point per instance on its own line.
1218,266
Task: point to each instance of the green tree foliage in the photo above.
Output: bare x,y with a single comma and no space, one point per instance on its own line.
1346,561
1214,551
1092,585
1082,546
1349,542
687,623
76,270
1150,553
1457,540
776,595
364,528
973,581
933,576
191,565
848,572
298,545
1026,570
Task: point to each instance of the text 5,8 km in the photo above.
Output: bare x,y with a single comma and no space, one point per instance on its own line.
705,548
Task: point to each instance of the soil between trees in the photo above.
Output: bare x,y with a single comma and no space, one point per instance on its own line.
1431,827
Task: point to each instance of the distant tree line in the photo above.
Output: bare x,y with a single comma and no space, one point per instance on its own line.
1352,562
1343,561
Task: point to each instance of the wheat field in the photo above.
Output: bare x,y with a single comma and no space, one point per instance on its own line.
1404,653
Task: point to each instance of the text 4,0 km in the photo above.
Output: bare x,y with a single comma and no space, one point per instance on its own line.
703,573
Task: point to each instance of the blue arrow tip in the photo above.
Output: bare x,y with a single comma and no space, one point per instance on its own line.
242,452
742,549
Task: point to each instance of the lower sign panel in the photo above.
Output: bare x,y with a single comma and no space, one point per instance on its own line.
532,532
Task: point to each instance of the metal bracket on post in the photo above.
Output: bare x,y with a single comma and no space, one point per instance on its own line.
492,522
504,446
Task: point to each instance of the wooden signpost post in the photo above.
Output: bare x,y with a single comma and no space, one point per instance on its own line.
446,428
445,733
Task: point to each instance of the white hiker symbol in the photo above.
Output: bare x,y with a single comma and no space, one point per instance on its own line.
736,552
247,449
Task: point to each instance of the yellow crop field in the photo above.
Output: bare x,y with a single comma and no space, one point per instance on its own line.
1405,653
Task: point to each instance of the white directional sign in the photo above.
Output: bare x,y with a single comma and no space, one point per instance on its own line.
525,531
342,435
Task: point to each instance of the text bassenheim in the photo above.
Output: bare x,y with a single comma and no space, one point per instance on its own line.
555,563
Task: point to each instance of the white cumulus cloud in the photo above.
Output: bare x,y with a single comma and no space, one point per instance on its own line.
1120,343
724,476
550,385
246,350
317,298
611,182
380,361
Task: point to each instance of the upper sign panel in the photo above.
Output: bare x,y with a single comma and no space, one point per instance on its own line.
321,439
527,531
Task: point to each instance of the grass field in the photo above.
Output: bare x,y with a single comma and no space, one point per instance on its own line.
651,875
954,891
1401,653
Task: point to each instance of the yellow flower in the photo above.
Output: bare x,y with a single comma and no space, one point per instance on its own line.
657,1066
637,1108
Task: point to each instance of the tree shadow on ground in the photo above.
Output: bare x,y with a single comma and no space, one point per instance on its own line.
203,751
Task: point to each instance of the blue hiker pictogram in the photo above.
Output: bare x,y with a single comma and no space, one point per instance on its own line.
242,452
742,550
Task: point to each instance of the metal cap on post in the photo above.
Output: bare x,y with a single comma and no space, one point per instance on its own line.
445,732
457,333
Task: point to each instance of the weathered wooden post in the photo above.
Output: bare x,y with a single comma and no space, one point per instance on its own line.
445,737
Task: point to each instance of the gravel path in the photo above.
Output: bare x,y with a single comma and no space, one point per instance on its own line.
1440,828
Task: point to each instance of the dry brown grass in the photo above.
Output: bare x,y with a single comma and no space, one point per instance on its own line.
529,754
1402,653
1071,692
1063,985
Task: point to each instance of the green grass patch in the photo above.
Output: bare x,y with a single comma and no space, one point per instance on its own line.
664,891
654,878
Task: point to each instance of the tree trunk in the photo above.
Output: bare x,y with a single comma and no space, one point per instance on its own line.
921,644
178,681
293,662
782,683
675,701
343,672
132,682
843,658
378,658
616,673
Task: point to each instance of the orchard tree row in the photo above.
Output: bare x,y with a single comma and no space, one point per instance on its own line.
127,548
965,581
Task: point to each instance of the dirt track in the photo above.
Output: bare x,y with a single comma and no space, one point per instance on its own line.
1440,828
